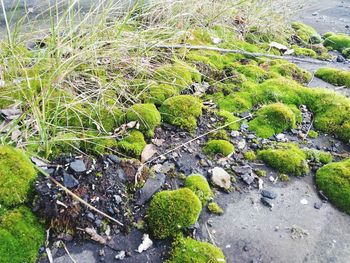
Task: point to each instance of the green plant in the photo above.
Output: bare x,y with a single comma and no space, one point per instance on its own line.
334,76
214,208
306,33
172,211
218,135
230,119
313,134
132,145
318,156
158,93
182,111
337,41
250,155
199,185
188,250
218,146
334,180
17,174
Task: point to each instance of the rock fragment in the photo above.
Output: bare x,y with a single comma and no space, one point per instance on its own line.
268,194
221,178
78,166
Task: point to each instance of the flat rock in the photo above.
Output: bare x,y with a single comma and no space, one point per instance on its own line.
266,202
247,178
151,186
268,194
69,180
242,169
221,178
115,159
78,166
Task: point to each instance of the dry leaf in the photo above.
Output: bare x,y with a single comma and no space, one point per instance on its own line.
148,152
124,128
94,236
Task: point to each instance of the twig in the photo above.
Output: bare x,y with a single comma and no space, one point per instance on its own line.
77,197
308,130
242,52
209,234
66,249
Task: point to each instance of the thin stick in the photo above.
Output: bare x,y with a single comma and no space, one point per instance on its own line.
77,197
242,52
66,249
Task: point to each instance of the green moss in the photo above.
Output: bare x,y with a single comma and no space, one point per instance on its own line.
318,156
218,146
182,111
199,185
64,143
132,145
103,117
334,181
313,134
17,174
172,211
158,93
212,59
334,76
218,135
215,208
286,158
304,52
146,114
252,72
346,52
337,42
178,74
290,70
230,120
20,236
250,155
261,173
306,33
284,177
188,250
328,34
235,102
272,119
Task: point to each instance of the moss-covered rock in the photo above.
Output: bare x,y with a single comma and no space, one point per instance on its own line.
214,208
218,146
172,211
318,156
131,145
17,174
286,158
20,236
199,185
334,181
273,119
146,114
334,76
182,111
306,33
337,41
188,250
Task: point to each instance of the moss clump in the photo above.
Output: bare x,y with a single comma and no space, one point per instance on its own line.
290,70
235,103
146,114
218,146
171,211
199,185
334,180
188,250
158,93
337,41
313,134
20,236
16,176
284,177
182,111
334,76
306,33
286,158
250,155
318,156
132,144
218,135
272,119
214,208
261,173
304,52
178,74
230,120
346,52
252,72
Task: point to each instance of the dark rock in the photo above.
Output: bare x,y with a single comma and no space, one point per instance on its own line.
78,166
266,202
90,216
268,194
115,159
242,169
69,180
340,59
151,186
318,205
121,175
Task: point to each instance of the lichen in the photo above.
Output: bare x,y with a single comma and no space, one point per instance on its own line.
306,33
199,185
219,146
334,76
214,208
146,114
17,174
20,236
188,250
272,119
172,211
182,111
286,158
334,181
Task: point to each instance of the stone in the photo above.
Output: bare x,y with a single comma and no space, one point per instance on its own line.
90,216
340,59
246,169
247,178
221,178
78,166
121,255
251,137
235,134
266,202
115,159
69,180
318,205
241,144
268,194
121,175
281,137
117,199
151,186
